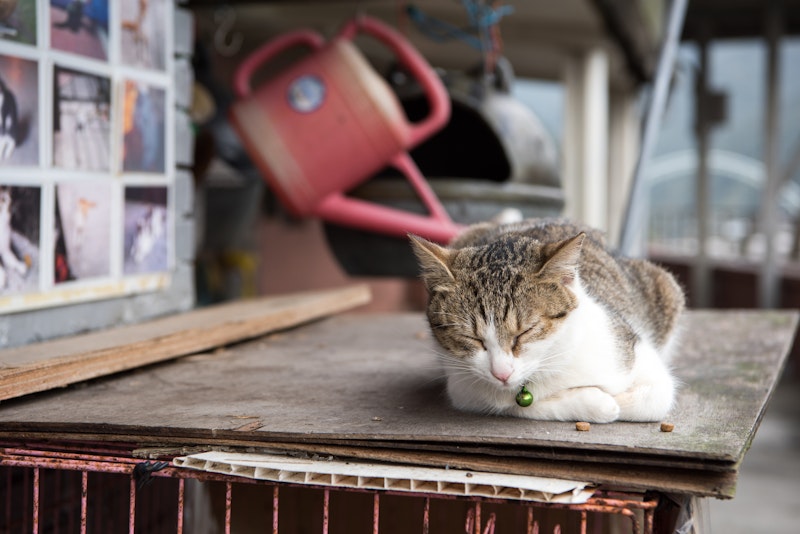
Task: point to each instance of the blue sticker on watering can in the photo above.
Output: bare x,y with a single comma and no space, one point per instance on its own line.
306,93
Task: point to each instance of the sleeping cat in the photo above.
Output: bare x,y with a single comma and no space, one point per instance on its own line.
540,310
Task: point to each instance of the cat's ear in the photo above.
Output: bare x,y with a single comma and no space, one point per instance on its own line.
563,261
434,262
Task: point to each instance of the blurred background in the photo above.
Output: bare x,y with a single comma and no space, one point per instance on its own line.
547,117
670,125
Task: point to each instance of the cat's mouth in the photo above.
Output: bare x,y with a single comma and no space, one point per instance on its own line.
511,384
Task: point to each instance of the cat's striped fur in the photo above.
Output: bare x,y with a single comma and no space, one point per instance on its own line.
543,303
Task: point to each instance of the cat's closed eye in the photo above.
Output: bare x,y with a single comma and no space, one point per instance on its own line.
518,338
478,342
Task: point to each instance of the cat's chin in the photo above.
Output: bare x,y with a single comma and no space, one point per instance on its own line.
511,386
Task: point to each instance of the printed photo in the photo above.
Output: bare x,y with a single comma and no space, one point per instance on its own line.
143,126
144,33
83,230
18,21
146,230
19,239
81,120
19,111
80,27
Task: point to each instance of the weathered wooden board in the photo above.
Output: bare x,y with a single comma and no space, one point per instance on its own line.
41,366
369,387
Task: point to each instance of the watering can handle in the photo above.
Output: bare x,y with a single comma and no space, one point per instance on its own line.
437,96
355,213
244,73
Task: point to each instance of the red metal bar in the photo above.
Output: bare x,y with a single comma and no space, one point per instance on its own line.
426,516
326,502
36,478
603,502
606,509
72,465
181,501
533,526
490,524
68,455
84,499
275,510
228,506
132,508
376,511
473,521
649,518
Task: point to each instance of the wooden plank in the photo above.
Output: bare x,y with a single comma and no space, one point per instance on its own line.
693,481
46,365
374,379
367,385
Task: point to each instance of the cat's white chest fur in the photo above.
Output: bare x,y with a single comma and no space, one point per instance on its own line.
578,373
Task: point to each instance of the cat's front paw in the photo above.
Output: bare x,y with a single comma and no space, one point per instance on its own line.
590,404
599,406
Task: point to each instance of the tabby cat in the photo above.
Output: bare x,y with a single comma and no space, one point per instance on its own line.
543,307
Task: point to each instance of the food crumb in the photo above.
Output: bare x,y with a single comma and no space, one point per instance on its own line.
582,426
377,419
667,427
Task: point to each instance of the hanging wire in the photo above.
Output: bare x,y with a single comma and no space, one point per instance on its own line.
482,32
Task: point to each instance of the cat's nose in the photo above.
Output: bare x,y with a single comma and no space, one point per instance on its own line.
502,374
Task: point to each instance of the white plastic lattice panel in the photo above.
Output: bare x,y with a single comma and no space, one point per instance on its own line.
352,474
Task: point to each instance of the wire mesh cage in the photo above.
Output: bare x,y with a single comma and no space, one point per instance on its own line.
69,491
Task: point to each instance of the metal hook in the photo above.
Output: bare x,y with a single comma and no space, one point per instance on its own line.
226,42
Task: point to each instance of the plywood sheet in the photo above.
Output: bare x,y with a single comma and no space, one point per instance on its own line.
369,386
41,366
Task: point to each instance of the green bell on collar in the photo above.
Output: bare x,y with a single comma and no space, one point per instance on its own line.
524,397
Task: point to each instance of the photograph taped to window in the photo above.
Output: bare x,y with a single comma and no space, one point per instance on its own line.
83,222
80,27
144,33
144,131
19,111
19,239
18,21
146,230
81,121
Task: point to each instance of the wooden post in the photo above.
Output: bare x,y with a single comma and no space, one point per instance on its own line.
769,278
623,149
586,138
701,273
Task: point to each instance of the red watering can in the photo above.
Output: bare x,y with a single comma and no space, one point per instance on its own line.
329,122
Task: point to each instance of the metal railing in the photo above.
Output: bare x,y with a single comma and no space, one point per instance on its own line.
65,491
